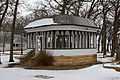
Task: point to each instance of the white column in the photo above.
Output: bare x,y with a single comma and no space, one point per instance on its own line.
89,40
51,38
35,40
92,40
80,40
62,33
69,39
72,39
32,41
55,39
36,44
43,40
83,40
28,41
76,39
46,39
86,40
95,37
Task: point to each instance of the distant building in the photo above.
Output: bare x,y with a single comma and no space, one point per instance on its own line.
17,41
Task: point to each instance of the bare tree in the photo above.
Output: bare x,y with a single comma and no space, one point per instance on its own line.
117,45
2,15
5,11
116,10
12,32
68,7
104,11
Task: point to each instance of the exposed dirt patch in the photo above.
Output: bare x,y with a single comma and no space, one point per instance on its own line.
44,76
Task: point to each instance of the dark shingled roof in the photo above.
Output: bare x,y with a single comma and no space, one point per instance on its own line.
66,19
61,20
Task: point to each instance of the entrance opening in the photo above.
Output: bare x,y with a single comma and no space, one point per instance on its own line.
38,44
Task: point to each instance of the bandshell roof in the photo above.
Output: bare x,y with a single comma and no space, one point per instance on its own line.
60,20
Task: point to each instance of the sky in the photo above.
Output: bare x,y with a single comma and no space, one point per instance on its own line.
31,4
23,9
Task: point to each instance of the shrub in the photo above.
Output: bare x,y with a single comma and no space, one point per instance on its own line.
46,59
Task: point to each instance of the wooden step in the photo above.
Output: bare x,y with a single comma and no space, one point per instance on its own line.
35,60
28,56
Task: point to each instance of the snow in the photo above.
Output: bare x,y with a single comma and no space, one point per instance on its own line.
72,52
105,59
42,22
19,52
118,32
112,65
92,73
5,60
95,72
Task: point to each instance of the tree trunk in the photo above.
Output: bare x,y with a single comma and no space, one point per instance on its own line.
113,50
104,31
117,52
104,42
63,7
115,30
3,15
3,47
0,58
21,43
108,45
99,44
102,45
12,33
5,11
4,40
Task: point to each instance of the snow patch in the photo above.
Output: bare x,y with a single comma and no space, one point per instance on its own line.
118,32
72,52
107,59
112,65
5,60
42,22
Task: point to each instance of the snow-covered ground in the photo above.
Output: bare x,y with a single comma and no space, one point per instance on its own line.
18,52
105,59
112,65
72,52
5,60
95,72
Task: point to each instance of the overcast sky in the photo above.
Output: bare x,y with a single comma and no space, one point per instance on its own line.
24,11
